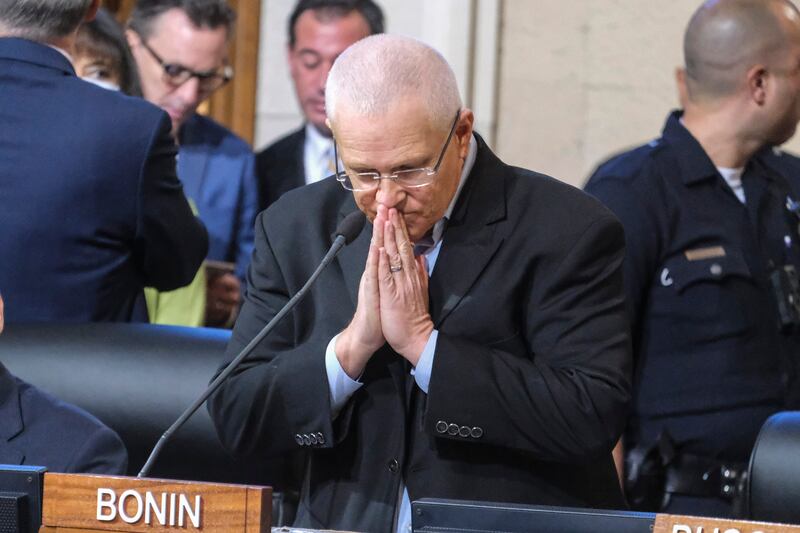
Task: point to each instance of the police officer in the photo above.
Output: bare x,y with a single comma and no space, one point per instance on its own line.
712,259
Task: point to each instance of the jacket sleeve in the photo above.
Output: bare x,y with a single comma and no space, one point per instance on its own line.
102,453
170,242
281,389
559,390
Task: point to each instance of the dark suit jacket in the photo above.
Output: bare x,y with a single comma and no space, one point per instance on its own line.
280,167
37,429
533,350
91,210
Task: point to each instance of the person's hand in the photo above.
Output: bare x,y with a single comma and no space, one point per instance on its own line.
363,336
223,295
403,284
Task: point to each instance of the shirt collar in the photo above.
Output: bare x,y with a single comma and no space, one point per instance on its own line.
438,228
693,162
318,144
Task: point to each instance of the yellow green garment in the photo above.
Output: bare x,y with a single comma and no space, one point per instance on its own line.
182,307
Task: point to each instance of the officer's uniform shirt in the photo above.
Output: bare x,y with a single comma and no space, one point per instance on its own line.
711,363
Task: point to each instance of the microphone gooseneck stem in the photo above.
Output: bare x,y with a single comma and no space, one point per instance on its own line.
337,245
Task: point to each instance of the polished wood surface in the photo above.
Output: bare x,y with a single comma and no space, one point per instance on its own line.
70,505
666,523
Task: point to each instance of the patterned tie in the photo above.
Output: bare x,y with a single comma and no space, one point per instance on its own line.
424,245
331,165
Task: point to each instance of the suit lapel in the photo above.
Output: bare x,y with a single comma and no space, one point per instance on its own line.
353,257
11,423
472,237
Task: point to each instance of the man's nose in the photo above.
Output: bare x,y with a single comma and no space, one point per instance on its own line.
389,193
189,92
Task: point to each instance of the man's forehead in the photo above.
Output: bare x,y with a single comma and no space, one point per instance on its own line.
329,34
378,143
179,40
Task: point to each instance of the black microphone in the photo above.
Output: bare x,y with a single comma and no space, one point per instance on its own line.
346,232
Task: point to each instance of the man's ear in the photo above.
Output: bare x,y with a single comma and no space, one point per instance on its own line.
92,12
757,82
680,82
463,133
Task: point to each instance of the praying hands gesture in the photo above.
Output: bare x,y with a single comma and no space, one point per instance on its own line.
392,299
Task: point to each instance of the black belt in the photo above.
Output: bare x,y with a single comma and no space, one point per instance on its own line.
695,475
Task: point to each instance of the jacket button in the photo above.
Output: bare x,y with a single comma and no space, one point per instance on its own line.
452,429
320,438
298,439
307,439
441,426
476,432
313,439
463,431
394,466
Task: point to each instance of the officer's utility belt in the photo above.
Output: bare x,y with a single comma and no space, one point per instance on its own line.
656,471
694,475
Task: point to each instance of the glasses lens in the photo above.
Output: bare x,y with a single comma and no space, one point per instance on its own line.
211,83
415,177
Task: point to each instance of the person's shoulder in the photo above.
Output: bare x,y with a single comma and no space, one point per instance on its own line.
286,147
200,129
550,198
114,106
48,419
629,166
287,142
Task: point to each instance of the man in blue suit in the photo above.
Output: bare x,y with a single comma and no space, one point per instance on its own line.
91,210
37,429
180,48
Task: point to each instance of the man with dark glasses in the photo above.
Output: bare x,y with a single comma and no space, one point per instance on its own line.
180,48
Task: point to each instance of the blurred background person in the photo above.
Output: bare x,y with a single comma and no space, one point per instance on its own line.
90,205
712,254
102,55
319,30
181,51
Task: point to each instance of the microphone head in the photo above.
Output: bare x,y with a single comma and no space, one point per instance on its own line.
350,226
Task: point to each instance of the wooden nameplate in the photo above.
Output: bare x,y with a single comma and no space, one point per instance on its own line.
74,503
666,523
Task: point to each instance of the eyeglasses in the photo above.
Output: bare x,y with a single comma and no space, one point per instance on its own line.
412,178
176,74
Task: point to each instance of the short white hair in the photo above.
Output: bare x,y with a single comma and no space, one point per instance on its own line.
377,70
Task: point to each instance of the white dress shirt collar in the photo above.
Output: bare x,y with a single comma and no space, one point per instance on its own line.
317,155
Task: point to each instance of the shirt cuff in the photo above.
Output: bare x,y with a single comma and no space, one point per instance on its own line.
339,383
422,372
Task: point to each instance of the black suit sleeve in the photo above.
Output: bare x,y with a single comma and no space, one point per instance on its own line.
559,389
170,242
282,388
102,453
